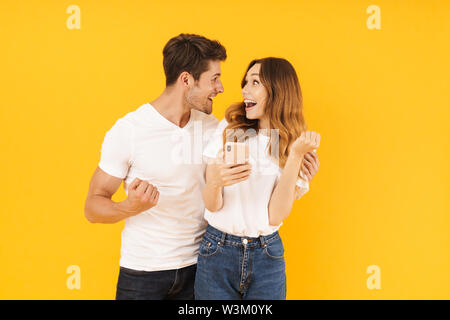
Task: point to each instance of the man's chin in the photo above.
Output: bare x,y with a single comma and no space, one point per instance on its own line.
207,110
203,108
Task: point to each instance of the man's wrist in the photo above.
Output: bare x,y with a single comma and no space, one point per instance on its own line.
124,208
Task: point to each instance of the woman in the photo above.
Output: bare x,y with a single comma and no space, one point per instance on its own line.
241,255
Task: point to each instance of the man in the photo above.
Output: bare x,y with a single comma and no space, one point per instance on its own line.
164,209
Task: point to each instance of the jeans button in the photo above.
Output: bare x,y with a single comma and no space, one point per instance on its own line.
244,241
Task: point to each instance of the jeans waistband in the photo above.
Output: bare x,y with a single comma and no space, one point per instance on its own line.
226,238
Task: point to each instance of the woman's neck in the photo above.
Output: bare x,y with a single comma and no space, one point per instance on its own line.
264,125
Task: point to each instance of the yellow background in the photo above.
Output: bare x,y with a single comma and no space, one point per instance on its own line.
379,98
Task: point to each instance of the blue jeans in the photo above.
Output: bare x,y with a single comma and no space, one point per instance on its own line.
177,284
235,268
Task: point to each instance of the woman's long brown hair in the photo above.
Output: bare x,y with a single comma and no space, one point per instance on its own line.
284,106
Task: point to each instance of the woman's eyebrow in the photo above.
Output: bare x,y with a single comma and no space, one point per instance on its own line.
252,74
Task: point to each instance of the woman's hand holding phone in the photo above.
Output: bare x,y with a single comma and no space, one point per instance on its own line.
221,173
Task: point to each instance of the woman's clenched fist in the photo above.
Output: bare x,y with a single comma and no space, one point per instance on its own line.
307,142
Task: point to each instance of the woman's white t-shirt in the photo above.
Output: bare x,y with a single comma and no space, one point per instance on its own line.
245,204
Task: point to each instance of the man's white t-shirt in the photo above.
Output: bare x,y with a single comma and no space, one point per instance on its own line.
245,204
144,144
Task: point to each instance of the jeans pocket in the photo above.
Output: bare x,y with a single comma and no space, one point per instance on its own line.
208,247
274,249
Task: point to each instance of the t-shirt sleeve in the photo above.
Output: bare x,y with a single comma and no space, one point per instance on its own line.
303,184
117,150
215,142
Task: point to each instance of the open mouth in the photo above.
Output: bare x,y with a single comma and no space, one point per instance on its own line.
249,104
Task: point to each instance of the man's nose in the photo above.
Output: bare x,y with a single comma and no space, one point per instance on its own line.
219,88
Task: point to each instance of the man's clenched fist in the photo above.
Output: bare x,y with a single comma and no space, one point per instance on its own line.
141,196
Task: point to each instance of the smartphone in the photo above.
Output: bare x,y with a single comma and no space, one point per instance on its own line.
236,152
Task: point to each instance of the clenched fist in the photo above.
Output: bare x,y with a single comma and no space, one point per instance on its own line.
141,196
307,142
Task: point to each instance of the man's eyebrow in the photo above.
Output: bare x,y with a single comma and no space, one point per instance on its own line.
217,74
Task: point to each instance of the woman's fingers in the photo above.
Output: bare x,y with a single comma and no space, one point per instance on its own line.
307,173
310,165
236,169
238,175
313,138
307,162
312,159
308,135
237,180
318,140
314,156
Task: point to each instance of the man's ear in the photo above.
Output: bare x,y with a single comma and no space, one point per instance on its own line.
185,79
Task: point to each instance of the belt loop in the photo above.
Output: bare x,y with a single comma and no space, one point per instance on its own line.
263,241
222,239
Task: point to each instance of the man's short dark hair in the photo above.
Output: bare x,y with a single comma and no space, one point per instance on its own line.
190,53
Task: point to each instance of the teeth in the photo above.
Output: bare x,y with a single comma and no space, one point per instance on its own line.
249,103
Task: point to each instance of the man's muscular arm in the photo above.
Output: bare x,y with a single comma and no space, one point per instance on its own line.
99,208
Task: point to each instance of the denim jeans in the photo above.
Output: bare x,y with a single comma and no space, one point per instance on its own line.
177,284
240,268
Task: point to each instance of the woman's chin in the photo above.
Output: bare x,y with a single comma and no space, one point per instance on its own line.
250,115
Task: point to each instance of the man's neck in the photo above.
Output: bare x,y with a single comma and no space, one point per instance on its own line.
170,105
